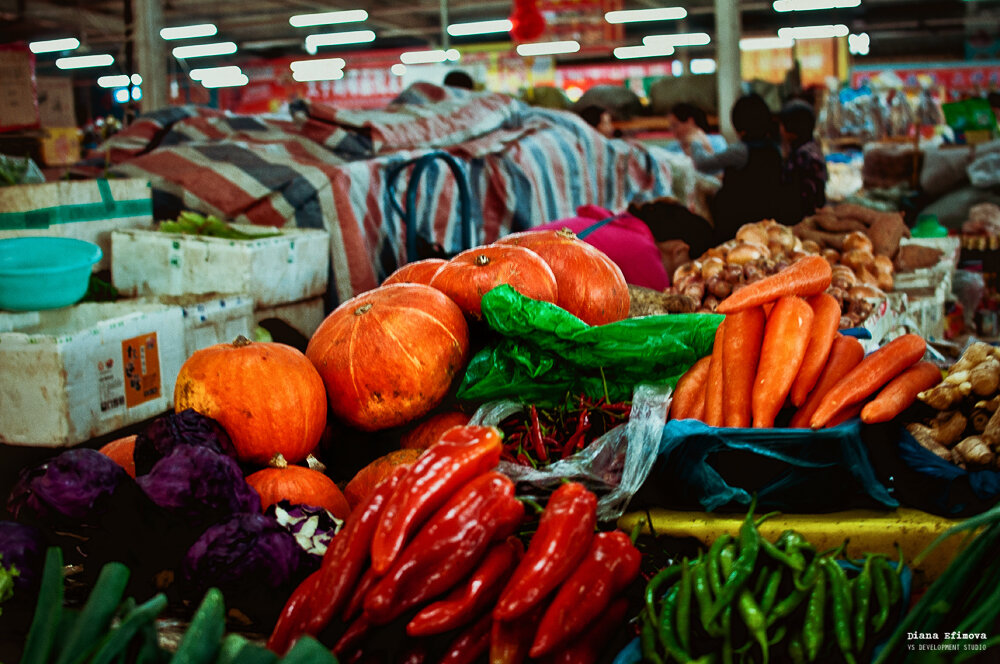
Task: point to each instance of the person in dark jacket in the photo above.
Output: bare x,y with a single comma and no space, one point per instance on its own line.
804,173
751,179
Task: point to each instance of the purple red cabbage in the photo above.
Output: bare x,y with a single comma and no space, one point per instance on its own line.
187,427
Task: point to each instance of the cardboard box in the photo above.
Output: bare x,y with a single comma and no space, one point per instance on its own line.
18,95
56,104
61,146
84,209
76,373
289,267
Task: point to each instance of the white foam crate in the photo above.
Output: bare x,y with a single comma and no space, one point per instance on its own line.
304,317
273,270
71,374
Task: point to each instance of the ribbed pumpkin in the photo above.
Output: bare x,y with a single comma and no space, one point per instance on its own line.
426,433
122,452
371,475
388,356
591,286
267,396
474,272
299,486
417,272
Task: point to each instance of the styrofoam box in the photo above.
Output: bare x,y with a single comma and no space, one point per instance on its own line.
210,321
274,270
82,209
71,374
303,316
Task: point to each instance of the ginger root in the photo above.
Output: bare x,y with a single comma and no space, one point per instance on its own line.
945,394
924,435
985,377
974,451
948,427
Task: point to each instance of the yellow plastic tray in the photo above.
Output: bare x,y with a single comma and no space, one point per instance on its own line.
865,530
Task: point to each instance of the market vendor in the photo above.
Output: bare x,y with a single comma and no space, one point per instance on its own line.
648,241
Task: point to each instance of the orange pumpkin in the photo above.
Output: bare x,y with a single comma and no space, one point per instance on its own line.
369,477
417,272
389,356
591,286
474,272
267,396
298,485
426,433
122,451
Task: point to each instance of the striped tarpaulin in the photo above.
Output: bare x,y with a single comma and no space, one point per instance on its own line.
326,168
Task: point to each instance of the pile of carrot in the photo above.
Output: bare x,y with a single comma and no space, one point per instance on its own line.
779,345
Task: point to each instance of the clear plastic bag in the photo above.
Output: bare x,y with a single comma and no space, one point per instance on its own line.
614,466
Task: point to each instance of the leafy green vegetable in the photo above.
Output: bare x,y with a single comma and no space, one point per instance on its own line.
192,223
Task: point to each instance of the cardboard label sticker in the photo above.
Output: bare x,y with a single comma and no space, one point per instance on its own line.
111,387
141,368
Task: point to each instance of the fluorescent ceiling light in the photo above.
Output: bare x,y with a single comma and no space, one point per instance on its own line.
121,95
628,52
809,5
398,69
316,75
50,45
214,72
479,28
328,18
548,48
658,14
225,81
136,79
428,57
204,50
338,39
81,61
189,31
764,43
680,39
325,63
702,66
859,44
814,32
119,81
327,69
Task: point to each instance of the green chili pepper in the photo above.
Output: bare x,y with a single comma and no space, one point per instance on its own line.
703,594
684,603
726,559
647,640
755,621
806,580
881,595
812,629
664,575
743,567
779,634
796,652
892,580
796,563
727,635
714,565
668,639
839,593
771,591
787,606
862,601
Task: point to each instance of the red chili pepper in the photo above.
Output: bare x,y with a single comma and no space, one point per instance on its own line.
510,640
471,644
474,596
415,653
462,453
611,564
561,541
588,647
347,553
536,436
294,614
448,547
367,582
351,639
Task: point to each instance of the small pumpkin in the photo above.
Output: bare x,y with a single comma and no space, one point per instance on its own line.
591,286
371,475
299,486
267,396
417,272
122,452
389,356
426,433
474,272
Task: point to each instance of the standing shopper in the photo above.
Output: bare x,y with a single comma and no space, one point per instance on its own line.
803,174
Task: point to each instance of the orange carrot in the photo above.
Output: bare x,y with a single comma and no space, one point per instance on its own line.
690,388
826,320
713,386
901,392
843,416
698,408
786,337
740,355
873,372
845,354
810,275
